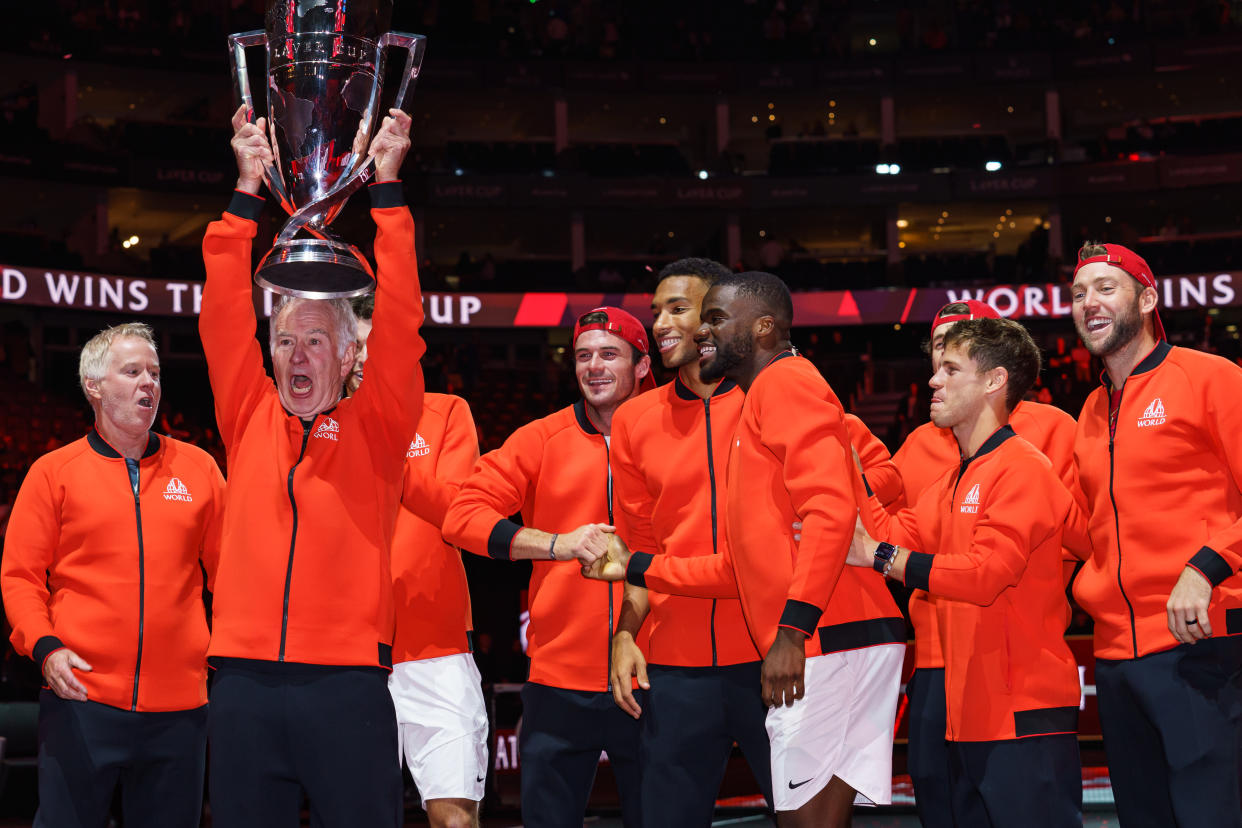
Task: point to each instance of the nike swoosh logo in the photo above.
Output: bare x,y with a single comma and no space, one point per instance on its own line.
793,784
479,778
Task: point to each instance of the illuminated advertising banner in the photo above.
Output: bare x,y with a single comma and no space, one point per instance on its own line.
128,296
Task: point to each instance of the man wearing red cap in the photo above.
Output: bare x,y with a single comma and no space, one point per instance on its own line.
1160,461
925,456
555,472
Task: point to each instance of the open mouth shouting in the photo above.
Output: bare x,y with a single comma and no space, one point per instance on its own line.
300,384
146,402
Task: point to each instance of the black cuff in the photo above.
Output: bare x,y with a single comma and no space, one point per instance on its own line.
44,647
918,570
1215,568
246,205
801,616
867,486
500,541
636,571
386,194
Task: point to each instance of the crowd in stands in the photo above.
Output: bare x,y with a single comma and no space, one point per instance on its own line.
623,29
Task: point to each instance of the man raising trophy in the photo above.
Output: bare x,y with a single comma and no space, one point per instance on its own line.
303,610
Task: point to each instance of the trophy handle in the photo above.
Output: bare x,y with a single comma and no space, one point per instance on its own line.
415,46
238,43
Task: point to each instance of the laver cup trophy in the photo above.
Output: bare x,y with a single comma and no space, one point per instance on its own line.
325,69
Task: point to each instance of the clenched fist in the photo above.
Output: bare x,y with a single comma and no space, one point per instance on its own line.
252,151
612,564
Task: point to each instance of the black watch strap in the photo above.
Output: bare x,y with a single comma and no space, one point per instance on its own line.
884,554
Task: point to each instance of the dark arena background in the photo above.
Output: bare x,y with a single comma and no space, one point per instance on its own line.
882,158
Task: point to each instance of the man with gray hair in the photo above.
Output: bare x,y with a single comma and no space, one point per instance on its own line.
102,580
302,618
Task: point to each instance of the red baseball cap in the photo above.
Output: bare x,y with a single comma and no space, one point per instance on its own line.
619,323
977,310
1133,264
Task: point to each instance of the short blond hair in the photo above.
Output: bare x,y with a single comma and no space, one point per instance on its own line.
93,361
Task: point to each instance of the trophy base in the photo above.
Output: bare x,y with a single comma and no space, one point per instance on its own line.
315,269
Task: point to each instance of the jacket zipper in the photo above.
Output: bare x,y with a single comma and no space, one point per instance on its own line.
1112,433
711,474
608,640
961,472
131,466
293,539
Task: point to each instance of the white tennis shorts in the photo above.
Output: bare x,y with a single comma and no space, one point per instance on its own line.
442,725
843,727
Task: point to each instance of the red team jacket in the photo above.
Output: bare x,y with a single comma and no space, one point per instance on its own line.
112,572
923,458
1162,493
428,580
555,472
790,461
304,571
988,536
883,476
669,453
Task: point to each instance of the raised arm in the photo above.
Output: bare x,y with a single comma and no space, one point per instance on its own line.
227,320
391,399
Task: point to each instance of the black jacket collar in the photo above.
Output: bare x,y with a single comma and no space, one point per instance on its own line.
683,391
994,442
584,422
102,447
1149,363
989,445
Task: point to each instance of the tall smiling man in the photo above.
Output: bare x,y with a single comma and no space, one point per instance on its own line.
103,582
303,614
1160,462
669,451
831,638
555,472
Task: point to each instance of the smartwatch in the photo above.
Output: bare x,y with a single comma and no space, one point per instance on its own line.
884,554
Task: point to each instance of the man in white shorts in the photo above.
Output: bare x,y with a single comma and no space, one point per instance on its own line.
832,638
435,685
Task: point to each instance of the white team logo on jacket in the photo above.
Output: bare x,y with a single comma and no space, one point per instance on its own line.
176,490
418,447
971,504
1153,415
328,429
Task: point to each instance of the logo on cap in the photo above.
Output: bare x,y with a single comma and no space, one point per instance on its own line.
971,504
1153,415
